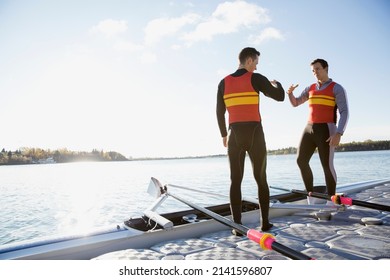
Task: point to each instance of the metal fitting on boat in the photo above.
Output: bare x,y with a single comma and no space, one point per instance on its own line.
323,215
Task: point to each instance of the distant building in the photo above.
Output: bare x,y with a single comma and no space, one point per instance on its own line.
47,160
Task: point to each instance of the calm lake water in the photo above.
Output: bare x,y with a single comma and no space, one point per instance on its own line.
56,199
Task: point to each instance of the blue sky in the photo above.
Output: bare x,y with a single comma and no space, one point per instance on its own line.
140,77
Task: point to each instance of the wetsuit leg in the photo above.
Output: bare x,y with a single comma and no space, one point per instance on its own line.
258,156
305,152
326,154
236,161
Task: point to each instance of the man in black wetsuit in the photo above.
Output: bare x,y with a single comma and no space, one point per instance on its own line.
238,93
325,98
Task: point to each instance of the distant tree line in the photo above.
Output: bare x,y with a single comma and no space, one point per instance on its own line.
37,155
368,145
284,151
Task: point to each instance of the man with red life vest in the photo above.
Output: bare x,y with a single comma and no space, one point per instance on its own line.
325,98
238,93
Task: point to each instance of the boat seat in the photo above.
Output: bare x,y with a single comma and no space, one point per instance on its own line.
160,220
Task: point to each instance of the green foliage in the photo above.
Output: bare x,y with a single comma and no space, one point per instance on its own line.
37,155
367,145
285,151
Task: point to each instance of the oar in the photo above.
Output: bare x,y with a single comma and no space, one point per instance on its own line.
272,204
341,199
281,189
266,240
249,199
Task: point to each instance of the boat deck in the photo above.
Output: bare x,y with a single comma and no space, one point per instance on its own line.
356,233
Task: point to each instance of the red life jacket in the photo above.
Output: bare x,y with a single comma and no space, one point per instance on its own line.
322,104
241,99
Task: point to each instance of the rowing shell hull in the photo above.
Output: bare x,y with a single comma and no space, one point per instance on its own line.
118,237
98,243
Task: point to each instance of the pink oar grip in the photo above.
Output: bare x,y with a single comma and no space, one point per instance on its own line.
265,240
254,235
346,200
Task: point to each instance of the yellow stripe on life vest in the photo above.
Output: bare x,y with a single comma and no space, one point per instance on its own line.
242,98
323,96
322,100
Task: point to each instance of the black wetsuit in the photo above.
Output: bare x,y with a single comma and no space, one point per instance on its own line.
247,137
328,98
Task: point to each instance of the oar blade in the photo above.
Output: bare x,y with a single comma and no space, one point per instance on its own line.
155,188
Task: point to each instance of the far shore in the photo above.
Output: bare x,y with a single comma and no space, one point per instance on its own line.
40,156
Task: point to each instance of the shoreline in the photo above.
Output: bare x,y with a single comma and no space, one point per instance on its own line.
40,156
270,153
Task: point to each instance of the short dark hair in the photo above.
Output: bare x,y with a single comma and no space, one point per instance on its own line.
248,53
321,61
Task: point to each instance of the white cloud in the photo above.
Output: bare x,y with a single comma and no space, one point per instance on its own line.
110,27
127,46
176,47
159,28
148,58
229,17
267,34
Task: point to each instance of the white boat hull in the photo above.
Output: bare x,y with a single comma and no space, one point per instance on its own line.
115,239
